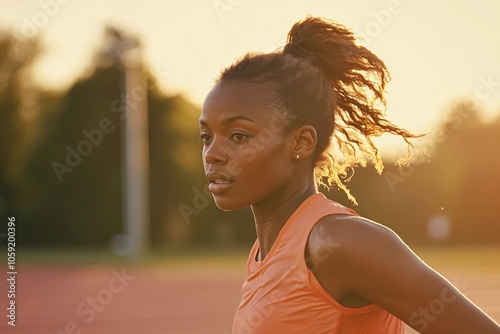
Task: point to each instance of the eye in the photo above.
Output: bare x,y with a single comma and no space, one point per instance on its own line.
205,138
239,137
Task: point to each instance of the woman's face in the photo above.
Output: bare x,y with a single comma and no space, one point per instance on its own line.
247,158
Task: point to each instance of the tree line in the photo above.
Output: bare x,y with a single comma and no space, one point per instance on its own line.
60,168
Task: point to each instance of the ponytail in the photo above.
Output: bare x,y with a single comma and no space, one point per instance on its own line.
325,79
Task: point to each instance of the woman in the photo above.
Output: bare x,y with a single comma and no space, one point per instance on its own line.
268,128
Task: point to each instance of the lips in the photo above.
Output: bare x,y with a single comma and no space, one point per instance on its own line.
218,182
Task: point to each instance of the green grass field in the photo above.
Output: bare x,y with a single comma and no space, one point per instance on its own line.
438,257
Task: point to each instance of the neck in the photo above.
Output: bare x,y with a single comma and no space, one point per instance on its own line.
274,213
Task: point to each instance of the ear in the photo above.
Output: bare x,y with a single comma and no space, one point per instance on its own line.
304,141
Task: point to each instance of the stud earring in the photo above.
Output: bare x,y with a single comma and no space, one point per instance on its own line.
297,156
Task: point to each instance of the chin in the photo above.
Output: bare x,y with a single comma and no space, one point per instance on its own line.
229,204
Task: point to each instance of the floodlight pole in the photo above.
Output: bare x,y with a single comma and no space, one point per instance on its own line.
135,152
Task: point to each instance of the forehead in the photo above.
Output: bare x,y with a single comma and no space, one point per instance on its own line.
238,98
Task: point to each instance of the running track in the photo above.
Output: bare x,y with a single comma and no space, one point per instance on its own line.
151,300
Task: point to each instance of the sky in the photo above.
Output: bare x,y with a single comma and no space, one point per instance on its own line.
437,51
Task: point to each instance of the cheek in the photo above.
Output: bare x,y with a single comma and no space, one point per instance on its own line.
269,166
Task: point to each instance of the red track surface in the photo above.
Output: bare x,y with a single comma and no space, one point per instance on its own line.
55,300
153,300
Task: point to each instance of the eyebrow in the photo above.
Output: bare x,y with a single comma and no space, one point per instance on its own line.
230,120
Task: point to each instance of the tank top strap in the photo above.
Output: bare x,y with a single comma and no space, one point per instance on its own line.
292,239
282,295
317,206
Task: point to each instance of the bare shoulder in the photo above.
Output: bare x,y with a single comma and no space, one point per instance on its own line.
343,252
360,261
353,235
349,223
352,255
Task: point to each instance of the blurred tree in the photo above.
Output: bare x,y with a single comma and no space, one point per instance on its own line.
467,182
75,166
16,57
458,181
70,191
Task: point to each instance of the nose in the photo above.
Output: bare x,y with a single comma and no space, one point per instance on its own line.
215,153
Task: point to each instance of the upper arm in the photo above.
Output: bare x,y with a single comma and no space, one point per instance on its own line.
371,261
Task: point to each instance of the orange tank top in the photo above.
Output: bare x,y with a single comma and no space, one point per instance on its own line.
281,294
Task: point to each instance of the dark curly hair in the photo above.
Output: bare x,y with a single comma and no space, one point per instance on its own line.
324,78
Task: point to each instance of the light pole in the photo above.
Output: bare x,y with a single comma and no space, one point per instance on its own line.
135,146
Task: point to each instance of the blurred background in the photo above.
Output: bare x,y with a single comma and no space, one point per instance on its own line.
62,75
74,73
